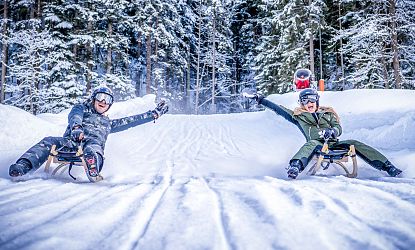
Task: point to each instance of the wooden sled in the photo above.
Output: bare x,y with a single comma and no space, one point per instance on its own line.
69,159
337,156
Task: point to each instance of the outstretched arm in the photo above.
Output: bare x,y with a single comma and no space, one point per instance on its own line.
280,110
125,123
121,124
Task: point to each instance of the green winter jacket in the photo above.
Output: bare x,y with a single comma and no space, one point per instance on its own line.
310,124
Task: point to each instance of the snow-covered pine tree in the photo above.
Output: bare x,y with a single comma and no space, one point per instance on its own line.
287,27
372,46
183,92
170,62
113,26
4,26
216,81
246,33
405,17
63,20
33,54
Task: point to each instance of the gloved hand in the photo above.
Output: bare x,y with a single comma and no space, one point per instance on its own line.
77,134
328,133
160,110
250,93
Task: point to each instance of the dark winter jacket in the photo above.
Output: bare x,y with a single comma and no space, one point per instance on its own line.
310,124
97,126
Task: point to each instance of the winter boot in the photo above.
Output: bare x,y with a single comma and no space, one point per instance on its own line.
391,169
92,164
295,168
21,167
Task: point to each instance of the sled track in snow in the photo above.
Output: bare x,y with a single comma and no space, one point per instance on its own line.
219,214
136,207
60,209
154,202
62,203
11,193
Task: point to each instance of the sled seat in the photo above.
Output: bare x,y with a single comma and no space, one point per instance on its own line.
68,158
338,156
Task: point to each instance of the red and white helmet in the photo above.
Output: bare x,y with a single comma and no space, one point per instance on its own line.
302,79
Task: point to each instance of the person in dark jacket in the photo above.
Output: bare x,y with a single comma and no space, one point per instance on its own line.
87,124
317,124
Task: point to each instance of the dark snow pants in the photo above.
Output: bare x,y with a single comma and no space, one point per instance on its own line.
366,152
39,153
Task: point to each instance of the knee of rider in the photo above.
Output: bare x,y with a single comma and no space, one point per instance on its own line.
354,142
313,143
46,141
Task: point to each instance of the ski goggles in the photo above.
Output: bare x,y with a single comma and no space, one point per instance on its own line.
101,97
309,98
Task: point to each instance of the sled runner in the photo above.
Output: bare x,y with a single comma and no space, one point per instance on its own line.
326,156
69,159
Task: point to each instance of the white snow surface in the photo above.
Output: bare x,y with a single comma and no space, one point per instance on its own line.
215,182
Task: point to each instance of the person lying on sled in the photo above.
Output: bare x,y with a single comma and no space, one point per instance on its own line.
317,124
89,124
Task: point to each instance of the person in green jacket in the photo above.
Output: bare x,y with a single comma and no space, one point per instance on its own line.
317,125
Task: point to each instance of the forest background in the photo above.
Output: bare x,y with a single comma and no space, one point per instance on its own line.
199,54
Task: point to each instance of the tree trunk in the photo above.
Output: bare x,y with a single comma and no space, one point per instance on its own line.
156,83
5,51
197,90
89,60
40,13
213,108
385,69
395,60
148,66
34,89
187,83
109,50
311,45
32,10
341,51
138,82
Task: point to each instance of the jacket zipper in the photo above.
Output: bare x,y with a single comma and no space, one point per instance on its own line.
315,116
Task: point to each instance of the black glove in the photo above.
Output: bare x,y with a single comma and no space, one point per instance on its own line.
77,134
328,133
160,110
250,93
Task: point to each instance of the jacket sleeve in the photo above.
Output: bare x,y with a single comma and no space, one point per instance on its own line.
125,123
280,110
335,124
75,116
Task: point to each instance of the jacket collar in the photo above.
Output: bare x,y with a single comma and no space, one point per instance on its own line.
300,110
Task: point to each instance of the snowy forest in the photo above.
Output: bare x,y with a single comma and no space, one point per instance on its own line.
199,54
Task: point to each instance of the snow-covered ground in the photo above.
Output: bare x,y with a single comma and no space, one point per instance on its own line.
215,182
